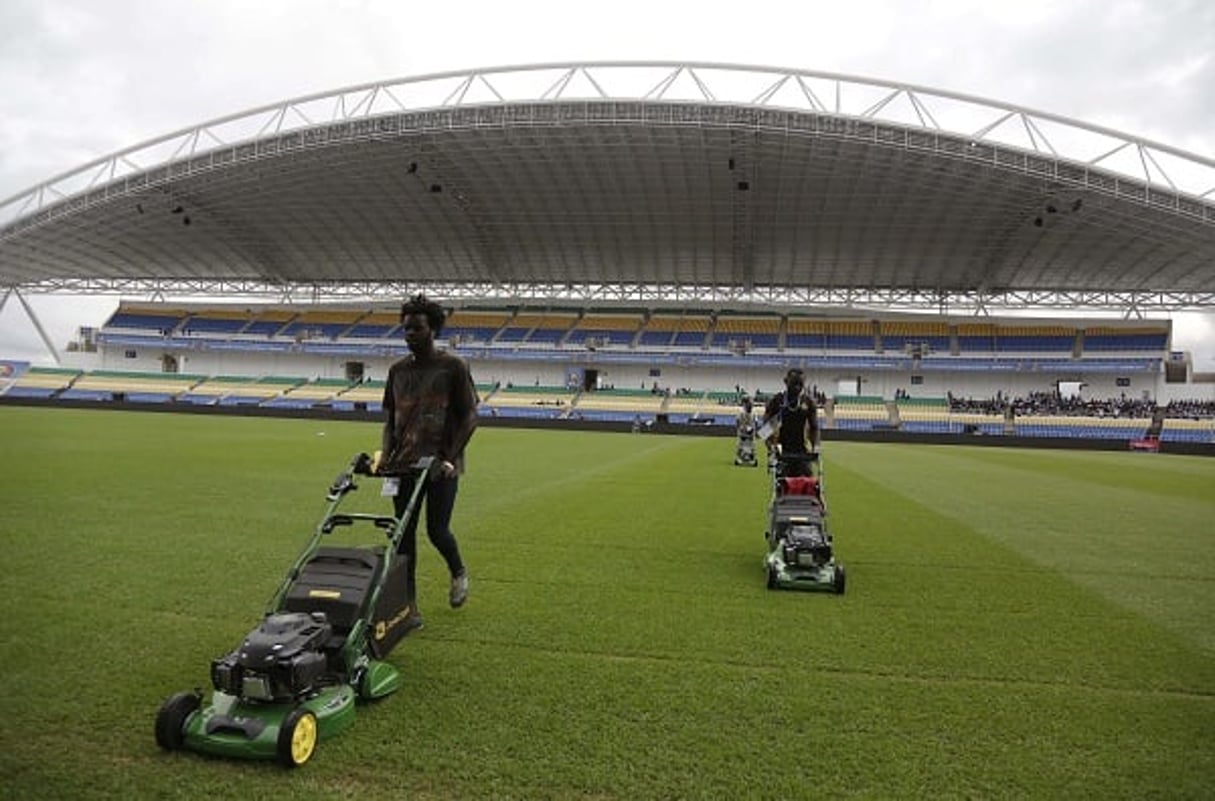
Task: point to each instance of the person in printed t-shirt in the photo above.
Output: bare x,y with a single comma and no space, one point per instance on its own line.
430,403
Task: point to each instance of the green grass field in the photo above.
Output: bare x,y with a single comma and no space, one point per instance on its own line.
1018,624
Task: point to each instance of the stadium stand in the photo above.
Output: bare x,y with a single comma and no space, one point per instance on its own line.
136,387
368,395
319,325
743,333
1183,430
859,413
976,337
155,320
1037,339
805,334
42,382
604,330
228,390
918,337
216,322
551,329
474,327
663,331
924,415
851,335
535,401
268,322
618,405
318,392
1150,339
375,325
1081,427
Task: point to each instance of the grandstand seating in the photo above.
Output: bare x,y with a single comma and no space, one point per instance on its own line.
319,325
238,390
1184,430
156,319
322,391
699,406
465,326
367,395
268,322
911,415
1036,339
859,413
734,332
551,329
605,330
849,335
136,387
675,331
375,325
535,401
620,405
42,382
924,415
976,337
216,322
1081,427
899,336
1151,339
824,343
805,334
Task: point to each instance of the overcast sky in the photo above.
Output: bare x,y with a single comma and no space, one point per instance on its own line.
82,78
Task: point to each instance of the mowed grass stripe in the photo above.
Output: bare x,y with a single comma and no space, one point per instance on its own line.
619,642
1085,515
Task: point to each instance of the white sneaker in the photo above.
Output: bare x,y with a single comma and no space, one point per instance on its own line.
459,589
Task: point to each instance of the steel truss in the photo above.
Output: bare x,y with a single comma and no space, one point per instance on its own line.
1128,304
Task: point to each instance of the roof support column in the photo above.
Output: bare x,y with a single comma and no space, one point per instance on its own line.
33,317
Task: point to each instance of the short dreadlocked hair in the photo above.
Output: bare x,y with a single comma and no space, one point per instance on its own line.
420,304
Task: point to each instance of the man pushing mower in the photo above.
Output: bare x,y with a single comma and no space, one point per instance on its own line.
790,426
800,549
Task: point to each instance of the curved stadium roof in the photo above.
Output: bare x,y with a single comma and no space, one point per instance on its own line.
633,182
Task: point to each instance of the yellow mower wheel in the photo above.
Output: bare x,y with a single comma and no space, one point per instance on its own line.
297,738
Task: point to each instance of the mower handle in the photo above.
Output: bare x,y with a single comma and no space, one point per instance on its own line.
361,465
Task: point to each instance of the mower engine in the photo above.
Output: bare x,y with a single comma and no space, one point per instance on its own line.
806,544
280,660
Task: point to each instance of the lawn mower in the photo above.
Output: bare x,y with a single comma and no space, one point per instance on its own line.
320,647
800,551
744,451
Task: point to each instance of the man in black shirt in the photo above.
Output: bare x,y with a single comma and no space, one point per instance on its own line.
792,419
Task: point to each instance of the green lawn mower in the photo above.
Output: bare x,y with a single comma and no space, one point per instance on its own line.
295,679
801,555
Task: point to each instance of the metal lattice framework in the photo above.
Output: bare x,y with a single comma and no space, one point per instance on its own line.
649,182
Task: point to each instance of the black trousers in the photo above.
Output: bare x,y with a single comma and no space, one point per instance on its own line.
440,502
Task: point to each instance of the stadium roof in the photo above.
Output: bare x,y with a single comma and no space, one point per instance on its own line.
632,182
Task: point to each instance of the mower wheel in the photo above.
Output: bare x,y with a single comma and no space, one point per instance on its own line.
172,717
839,580
297,738
772,578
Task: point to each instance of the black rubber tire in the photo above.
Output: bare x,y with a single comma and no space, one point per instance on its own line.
839,581
172,717
771,577
287,755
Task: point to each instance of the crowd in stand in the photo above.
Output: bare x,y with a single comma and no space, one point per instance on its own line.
1190,409
1052,403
